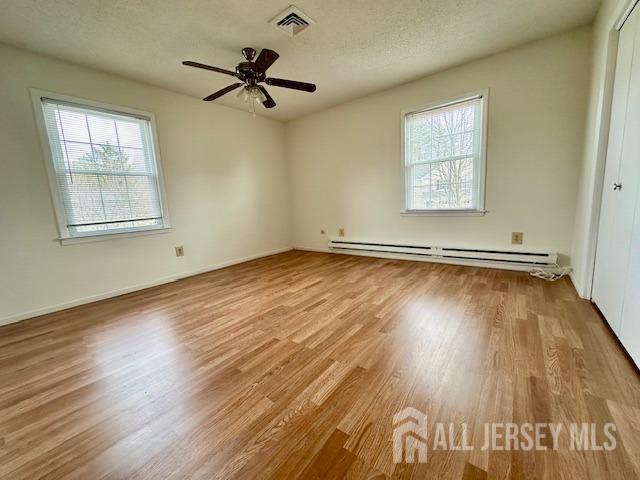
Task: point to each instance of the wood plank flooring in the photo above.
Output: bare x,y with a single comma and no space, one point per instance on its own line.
293,366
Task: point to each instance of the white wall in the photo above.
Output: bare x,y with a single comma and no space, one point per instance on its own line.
592,165
344,163
225,176
343,171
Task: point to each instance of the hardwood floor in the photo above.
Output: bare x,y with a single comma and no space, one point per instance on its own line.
293,366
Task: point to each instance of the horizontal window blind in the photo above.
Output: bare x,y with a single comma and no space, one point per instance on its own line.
442,156
105,168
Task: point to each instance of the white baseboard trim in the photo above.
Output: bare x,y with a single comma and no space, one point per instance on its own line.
123,291
419,258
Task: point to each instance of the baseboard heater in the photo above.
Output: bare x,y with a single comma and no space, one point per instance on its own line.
518,260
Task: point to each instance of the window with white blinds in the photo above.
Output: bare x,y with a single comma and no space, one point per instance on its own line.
444,156
104,168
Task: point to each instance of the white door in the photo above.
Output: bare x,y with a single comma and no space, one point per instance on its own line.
630,324
621,183
630,168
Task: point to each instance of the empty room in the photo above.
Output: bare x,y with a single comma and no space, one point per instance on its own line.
334,239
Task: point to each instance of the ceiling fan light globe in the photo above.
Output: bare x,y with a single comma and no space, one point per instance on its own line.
256,94
244,94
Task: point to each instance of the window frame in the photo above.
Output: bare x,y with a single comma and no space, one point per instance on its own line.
64,235
479,210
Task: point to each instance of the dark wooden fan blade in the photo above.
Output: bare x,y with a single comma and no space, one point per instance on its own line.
265,60
222,92
269,102
208,67
279,82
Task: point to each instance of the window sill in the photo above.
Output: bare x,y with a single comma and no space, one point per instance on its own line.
112,236
444,213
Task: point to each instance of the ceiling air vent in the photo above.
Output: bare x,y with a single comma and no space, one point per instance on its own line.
292,21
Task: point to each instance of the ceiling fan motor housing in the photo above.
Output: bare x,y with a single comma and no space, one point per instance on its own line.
247,73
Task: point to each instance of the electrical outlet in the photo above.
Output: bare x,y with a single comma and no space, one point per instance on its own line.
180,251
341,232
516,238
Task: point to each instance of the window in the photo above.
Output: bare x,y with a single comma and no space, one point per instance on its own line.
443,162
104,174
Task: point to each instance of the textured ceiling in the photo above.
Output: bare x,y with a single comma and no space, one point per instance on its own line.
355,48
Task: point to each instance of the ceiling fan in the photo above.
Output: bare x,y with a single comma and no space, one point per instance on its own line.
251,74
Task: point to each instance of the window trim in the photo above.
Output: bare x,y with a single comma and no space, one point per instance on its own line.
64,236
482,170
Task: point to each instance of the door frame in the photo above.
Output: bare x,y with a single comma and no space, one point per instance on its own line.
603,120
